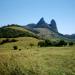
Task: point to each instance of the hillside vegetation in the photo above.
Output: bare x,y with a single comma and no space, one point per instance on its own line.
38,61
21,53
22,43
13,31
29,59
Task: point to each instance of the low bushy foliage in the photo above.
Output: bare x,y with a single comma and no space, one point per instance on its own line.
7,41
61,43
41,43
48,43
71,43
6,32
19,49
31,44
15,47
13,40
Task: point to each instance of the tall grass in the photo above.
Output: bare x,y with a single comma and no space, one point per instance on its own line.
38,61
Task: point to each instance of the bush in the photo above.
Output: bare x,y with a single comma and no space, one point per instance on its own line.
45,43
19,49
48,43
13,40
65,44
7,41
15,47
54,43
62,43
41,43
70,43
31,44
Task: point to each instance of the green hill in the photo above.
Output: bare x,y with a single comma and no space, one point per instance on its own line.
30,59
13,31
21,43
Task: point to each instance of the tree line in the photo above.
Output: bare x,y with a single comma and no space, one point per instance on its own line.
48,43
7,41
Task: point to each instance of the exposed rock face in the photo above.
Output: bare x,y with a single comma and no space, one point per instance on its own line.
32,25
45,30
42,24
53,25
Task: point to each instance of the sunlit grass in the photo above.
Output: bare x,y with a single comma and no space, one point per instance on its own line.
38,61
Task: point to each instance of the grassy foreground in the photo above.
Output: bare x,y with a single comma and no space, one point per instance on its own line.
38,61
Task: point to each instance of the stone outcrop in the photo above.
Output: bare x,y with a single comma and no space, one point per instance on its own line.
53,25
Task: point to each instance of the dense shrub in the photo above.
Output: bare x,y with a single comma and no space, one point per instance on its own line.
71,43
7,41
13,40
54,43
44,43
6,32
41,43
62,43
65,44
48,43
15,47
19,49
31,44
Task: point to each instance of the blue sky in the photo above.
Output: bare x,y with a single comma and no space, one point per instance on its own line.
30,11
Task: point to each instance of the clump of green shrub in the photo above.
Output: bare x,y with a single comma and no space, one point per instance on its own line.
15,47
71,43
44,43
19,49
47,43
41,43
7,41
31,44
61,43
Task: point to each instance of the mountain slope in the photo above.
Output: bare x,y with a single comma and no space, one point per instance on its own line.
70,36
15,31
46,31
41,30
53,25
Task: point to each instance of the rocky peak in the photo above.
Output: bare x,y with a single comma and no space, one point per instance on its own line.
42,24
53,25
41,21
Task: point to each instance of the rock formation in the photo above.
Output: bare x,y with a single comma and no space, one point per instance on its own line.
53,25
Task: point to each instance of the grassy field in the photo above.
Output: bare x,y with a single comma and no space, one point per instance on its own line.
35,60
22,43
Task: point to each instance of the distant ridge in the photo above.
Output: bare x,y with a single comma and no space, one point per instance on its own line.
45,30
53,25
40,30
42,24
